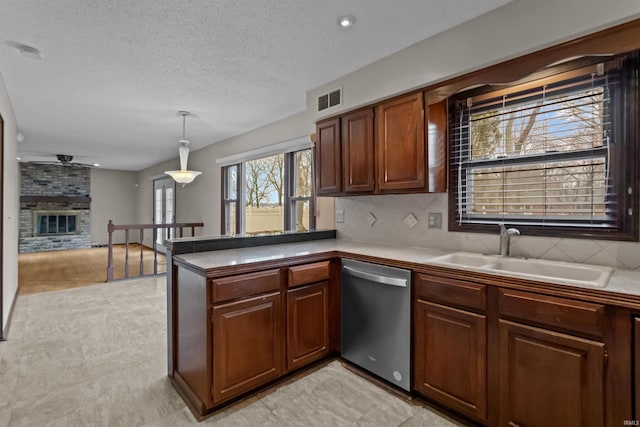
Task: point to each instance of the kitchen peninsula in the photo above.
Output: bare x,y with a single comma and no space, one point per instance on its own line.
240,319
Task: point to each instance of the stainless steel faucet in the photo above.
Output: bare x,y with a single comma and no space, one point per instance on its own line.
505,239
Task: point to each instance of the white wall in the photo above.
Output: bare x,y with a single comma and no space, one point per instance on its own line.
114,196
200,200
515,29
11,214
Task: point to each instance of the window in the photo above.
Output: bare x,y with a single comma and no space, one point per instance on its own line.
552,156
268,195
55,223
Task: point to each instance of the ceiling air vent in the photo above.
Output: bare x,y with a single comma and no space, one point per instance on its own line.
330,99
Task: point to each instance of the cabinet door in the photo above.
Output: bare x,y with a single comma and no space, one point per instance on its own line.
450,357
400,144
636,346
248,344
307,324
357,151
328,154
549,379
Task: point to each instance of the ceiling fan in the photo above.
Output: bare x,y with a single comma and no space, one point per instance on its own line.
66,160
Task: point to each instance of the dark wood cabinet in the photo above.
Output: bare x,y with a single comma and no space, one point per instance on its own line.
328,155
636,364
358,151
400,147
248,345
549,378
450,357
307,324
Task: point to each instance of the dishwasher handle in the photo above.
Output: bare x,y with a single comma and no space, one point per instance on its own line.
377,278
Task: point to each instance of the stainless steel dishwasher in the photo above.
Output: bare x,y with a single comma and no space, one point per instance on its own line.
376,315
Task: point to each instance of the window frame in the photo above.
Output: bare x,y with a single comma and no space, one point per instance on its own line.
290,190
289,199
622,156
226,200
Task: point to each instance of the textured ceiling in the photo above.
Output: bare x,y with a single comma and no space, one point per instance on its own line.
115,73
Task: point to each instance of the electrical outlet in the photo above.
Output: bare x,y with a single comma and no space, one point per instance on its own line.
435,220
371,219
410,220
339,215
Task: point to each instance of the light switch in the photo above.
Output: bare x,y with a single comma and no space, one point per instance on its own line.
339,215
410,220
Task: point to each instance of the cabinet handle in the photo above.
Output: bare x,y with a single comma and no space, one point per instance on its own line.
377,278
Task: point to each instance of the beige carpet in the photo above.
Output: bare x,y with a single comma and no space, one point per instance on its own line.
56,270
96,356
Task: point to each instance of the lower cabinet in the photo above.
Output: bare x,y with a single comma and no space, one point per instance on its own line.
450,357
636,363
549,378
248,345
307,324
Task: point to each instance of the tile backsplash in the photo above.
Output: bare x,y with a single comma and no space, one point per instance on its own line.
390,227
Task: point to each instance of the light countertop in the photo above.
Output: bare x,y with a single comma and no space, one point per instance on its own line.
620,282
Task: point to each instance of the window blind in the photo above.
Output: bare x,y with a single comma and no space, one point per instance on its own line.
537,153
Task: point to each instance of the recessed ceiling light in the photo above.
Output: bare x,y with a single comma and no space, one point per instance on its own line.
345,21
18,158
26,50
96,165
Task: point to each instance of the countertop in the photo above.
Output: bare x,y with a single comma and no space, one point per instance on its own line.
621,281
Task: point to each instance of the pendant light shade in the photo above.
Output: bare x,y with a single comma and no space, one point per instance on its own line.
183,176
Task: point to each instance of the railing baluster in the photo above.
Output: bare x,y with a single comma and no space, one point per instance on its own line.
110,250
155,250
141,251
126,253
172,230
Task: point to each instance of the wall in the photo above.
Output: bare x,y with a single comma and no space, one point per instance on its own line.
114,196
519,27
200,200
390,228
515,29
510,31
11,214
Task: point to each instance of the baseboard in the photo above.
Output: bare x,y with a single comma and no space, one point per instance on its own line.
5,333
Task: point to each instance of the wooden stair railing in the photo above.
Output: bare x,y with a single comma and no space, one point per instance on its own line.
111,227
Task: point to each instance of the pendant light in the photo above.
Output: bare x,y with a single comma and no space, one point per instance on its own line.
183,176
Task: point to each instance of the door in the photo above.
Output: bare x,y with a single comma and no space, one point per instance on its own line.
248,349
400,149
357,151
307,324
450,357
164,205
328,163
549,378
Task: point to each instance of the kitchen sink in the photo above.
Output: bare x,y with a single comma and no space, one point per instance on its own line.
555,271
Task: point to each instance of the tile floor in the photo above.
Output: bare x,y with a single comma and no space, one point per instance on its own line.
96,356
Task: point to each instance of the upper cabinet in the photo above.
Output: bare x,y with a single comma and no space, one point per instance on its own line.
400,143
397,146
357,151
328,158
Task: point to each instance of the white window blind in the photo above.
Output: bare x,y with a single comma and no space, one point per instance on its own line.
538,153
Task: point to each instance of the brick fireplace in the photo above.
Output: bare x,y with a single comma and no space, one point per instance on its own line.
55,207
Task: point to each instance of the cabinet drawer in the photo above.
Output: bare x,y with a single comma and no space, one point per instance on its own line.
578,316
308,273
243,285
454,292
